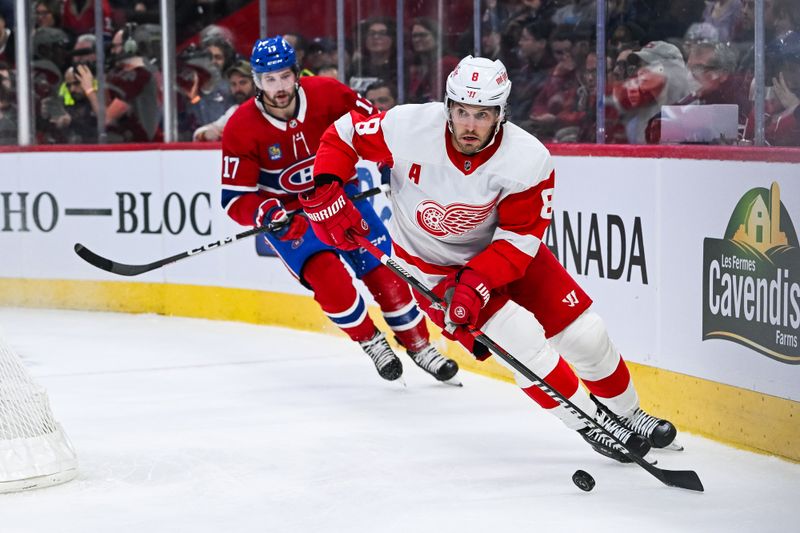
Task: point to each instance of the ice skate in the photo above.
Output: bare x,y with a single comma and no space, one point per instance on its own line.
431,361
386,361
659,433
604,445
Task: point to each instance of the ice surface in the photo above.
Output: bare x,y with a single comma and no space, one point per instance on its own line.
186,425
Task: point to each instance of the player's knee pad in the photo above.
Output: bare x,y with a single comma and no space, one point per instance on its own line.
521,335
586,345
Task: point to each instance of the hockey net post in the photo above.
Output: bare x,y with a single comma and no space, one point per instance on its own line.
34,450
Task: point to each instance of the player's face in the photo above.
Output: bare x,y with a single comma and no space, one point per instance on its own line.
473,126
278,87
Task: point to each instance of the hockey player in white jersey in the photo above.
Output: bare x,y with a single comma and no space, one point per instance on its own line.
471,196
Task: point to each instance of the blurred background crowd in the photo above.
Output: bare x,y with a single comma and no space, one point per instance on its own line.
676,71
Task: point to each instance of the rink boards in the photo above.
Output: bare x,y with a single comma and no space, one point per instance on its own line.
693,263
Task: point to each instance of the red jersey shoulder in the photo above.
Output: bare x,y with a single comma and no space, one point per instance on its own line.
330,95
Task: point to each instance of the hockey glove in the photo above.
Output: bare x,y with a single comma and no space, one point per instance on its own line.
333,216
466,294
284,226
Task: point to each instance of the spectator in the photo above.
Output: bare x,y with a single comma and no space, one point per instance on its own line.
699,32
205,96
78,16
536,61
46,14
298,42
328,71
661,79
782,107
558,91
576,13
221,53
376,59
320,52
242,88
724,16
382,95
132,114
427,71
785,17
75,122
713,67
84,50
495,14
6,43
8,106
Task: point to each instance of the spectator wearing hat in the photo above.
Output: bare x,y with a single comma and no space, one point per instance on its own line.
661,79
321,52
205,95
133,113
242,87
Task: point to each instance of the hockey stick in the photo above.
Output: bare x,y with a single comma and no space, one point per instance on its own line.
134,270
685,479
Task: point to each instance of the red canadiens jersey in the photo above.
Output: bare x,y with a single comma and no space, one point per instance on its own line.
265,157
487,211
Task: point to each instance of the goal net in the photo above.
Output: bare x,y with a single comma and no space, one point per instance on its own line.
34,450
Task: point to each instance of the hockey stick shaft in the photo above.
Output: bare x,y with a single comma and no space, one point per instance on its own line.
123,269
686,479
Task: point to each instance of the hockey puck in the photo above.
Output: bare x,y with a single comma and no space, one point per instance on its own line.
583,480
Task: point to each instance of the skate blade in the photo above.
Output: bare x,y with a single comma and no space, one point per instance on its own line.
453,382
400,383
674,446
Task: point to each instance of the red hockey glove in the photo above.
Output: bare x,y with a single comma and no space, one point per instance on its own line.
333,216
284,226
466,294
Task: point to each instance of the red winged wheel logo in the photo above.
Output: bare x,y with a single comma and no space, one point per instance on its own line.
453,219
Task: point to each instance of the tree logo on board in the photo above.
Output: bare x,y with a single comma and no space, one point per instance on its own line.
751,278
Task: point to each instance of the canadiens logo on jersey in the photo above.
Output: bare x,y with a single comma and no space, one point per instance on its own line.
298,177
274,152
452,219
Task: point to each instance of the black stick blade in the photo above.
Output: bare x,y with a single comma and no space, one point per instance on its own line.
107,264
684,479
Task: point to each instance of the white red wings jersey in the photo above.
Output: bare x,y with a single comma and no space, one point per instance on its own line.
487,211
265,157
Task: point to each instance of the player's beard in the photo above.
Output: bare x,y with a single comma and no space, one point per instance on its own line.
273,102
472,148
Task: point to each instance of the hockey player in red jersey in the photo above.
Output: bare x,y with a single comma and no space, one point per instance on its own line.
268,150
471,199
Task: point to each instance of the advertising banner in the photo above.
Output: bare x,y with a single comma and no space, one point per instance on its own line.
693,264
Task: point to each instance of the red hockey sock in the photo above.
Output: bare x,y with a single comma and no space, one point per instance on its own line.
399,309
561,378
334,292
613,385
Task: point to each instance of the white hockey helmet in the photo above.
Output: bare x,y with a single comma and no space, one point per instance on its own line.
479,81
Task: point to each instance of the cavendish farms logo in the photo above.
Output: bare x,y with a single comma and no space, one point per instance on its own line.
751,278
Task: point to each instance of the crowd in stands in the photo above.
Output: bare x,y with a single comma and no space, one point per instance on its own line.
664,58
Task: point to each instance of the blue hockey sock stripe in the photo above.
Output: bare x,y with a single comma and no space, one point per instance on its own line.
351,317
404,318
